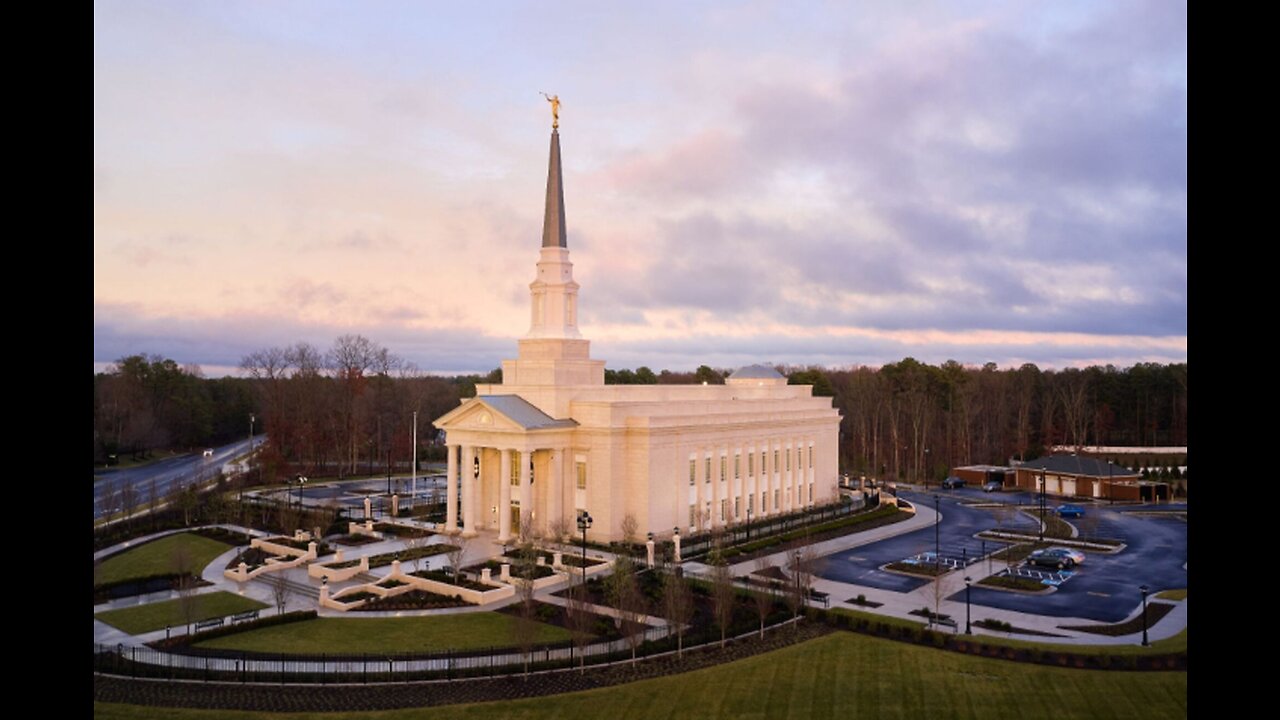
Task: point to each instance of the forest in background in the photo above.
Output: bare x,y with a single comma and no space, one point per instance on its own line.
349,409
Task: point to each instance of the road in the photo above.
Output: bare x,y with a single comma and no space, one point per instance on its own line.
168,474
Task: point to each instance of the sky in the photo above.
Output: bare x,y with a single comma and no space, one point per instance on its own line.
805,183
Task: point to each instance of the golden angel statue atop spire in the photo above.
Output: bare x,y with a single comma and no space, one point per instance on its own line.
555,109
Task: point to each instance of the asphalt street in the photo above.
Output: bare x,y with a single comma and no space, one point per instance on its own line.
168,474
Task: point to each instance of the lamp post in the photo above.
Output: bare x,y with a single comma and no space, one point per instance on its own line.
584,523
749,504
968,583
1144,590
926,468
1042,523
937,544
251,419
302,480
413,483
796,571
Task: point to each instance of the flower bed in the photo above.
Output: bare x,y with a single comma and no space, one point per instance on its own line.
410,554
576,561
355,539
442,577
342,565
495,567
413,600
404,531
356,597
391,583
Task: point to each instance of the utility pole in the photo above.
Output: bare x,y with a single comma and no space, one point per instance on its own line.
413,492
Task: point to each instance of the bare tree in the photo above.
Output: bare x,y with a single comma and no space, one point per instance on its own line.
626,598
109,498
280,589
630,527
558,529
129,498
153,500
456,555
411,545
184,565
526,627
723,594
762,595
677,602
580,620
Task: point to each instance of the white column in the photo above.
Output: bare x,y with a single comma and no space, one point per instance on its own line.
451,492
766,473
699,489
811,471
504,496
752,460
715,487
526,492
468,491
787,472
555,488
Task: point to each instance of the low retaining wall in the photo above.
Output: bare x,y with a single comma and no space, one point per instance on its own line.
320,570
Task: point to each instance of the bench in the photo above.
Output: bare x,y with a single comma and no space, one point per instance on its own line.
206,624
246,615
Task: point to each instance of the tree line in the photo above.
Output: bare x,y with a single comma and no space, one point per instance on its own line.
348,409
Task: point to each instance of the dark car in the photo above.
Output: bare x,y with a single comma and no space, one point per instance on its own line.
1058,557
952,483
1070,511
992,486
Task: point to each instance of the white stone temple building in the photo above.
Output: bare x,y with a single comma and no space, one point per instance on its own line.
553,439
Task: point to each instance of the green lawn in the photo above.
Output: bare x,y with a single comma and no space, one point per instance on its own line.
1175,644
842,675
154,616
159,557
386,634
1173,594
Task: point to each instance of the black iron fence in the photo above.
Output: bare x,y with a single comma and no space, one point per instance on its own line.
696,545
146,662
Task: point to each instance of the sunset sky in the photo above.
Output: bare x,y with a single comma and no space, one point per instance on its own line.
805,183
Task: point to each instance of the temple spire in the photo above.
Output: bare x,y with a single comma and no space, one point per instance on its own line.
553,233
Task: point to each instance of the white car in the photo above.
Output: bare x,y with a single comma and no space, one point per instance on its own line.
208,452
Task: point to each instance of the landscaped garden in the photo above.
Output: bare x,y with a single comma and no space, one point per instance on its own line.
177,613
408,554
385,635
413,600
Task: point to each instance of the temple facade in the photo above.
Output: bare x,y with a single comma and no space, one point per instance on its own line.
553,441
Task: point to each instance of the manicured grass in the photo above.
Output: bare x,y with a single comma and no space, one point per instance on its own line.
159,557
1173,594
842,675
154,616
383,634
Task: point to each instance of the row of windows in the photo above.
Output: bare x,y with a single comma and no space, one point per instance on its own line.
751,466
580,466
737,505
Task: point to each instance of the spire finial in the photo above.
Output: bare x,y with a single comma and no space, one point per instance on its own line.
555,109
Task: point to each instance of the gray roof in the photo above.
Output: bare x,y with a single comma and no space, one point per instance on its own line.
756,372
523,413
1076,465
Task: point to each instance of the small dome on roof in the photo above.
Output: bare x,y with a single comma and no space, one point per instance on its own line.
756,372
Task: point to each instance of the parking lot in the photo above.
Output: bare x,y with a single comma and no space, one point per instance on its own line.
861,565
1104,588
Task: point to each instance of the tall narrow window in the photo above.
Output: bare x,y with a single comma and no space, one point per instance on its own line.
775,460
724,465
582,475
788,459
751,464
810,457
693,471
708,469
737,508
724,505
515,469
693,519
737,466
